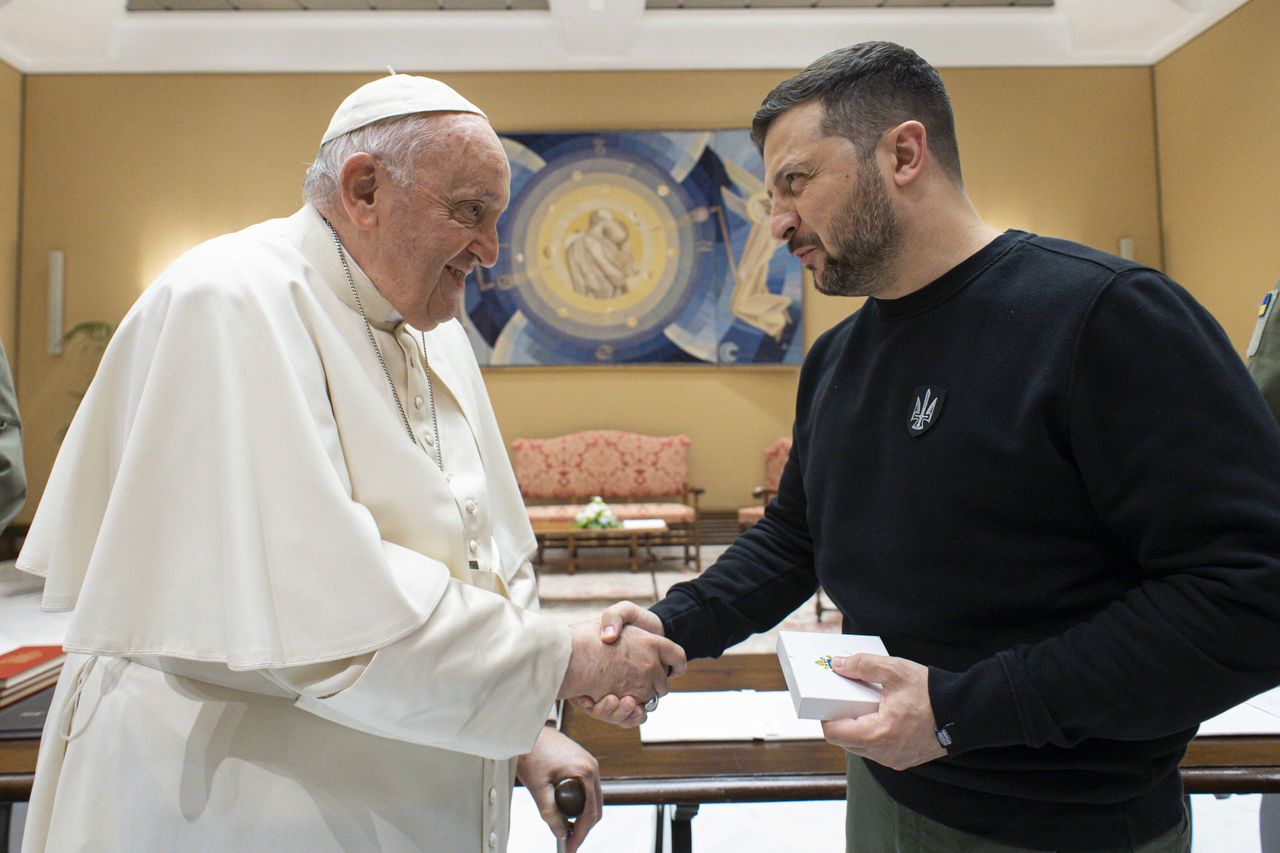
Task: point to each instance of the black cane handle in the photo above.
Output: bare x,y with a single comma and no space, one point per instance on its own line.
571,796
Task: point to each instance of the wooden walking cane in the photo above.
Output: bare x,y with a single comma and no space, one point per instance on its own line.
571,799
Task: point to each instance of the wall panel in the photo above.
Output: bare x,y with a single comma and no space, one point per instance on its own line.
10,194
1218,119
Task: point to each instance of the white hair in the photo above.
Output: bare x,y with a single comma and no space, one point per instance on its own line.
395,142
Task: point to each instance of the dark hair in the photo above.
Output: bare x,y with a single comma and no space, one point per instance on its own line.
865,90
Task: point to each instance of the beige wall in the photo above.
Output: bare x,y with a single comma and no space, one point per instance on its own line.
10,176
1218,122
124,172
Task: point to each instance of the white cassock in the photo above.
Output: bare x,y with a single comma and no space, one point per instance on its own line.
292,630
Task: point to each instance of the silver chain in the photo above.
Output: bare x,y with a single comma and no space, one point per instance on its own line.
431,397
431,401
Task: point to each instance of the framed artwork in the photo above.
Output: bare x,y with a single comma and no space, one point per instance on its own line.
636,248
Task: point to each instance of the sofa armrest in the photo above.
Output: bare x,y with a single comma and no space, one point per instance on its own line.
763,493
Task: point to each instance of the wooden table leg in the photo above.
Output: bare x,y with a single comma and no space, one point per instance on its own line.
572,545
633,550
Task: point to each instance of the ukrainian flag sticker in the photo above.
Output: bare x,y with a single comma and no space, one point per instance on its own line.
1264,312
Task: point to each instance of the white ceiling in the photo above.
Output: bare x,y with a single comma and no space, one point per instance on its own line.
62,36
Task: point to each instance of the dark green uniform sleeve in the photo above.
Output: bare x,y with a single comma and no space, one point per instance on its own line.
1264,352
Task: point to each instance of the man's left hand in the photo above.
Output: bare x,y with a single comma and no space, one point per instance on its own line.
555,757
902,733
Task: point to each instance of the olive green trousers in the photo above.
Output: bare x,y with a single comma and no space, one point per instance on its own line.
875,823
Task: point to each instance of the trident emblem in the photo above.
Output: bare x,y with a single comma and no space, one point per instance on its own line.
926,410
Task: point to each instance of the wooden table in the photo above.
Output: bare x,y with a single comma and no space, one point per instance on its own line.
571,537
17,770
686,775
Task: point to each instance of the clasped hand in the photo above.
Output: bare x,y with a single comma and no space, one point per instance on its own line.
630,661
623,707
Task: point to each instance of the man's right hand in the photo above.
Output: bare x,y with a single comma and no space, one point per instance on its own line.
624,613
634,663
621,710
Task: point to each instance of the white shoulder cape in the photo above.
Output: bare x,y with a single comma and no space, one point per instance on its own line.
234,488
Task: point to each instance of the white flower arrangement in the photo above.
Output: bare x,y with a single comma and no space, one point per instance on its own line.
596,515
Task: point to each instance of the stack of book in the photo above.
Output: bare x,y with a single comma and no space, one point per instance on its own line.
27,670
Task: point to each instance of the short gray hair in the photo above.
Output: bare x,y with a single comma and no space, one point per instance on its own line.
396,143
865,90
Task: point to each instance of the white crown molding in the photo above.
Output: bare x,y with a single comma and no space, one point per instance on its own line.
99,36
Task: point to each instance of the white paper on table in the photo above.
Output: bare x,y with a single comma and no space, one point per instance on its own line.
643,524
1269,701
1258,716
727,715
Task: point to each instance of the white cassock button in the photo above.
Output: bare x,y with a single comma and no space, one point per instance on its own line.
417,402
427,437
473,546
493,796
448,477
471,506
493,839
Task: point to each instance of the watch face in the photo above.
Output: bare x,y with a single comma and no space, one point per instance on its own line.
634,248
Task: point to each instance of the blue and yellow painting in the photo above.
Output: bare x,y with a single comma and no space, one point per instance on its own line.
636,248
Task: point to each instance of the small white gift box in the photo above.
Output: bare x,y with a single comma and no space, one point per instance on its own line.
817,692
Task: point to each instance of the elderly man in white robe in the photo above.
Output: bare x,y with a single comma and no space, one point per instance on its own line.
304,613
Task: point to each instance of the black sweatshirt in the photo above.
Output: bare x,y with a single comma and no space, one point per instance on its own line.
1081,539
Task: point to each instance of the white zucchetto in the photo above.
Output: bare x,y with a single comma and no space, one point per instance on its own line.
395,95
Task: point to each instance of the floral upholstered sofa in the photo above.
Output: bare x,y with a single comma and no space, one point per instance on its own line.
640,476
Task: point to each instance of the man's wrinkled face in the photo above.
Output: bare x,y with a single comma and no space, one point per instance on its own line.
830,204
443,223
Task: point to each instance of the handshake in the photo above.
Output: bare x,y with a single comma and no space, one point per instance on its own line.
619,664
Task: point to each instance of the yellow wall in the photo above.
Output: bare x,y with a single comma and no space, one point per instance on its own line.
124,172
10,174
1218,122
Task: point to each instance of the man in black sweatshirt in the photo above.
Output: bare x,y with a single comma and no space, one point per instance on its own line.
1039,472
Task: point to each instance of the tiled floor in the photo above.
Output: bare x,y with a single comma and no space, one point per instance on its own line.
1228,825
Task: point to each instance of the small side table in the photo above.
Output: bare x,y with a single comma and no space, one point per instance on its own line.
556,533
